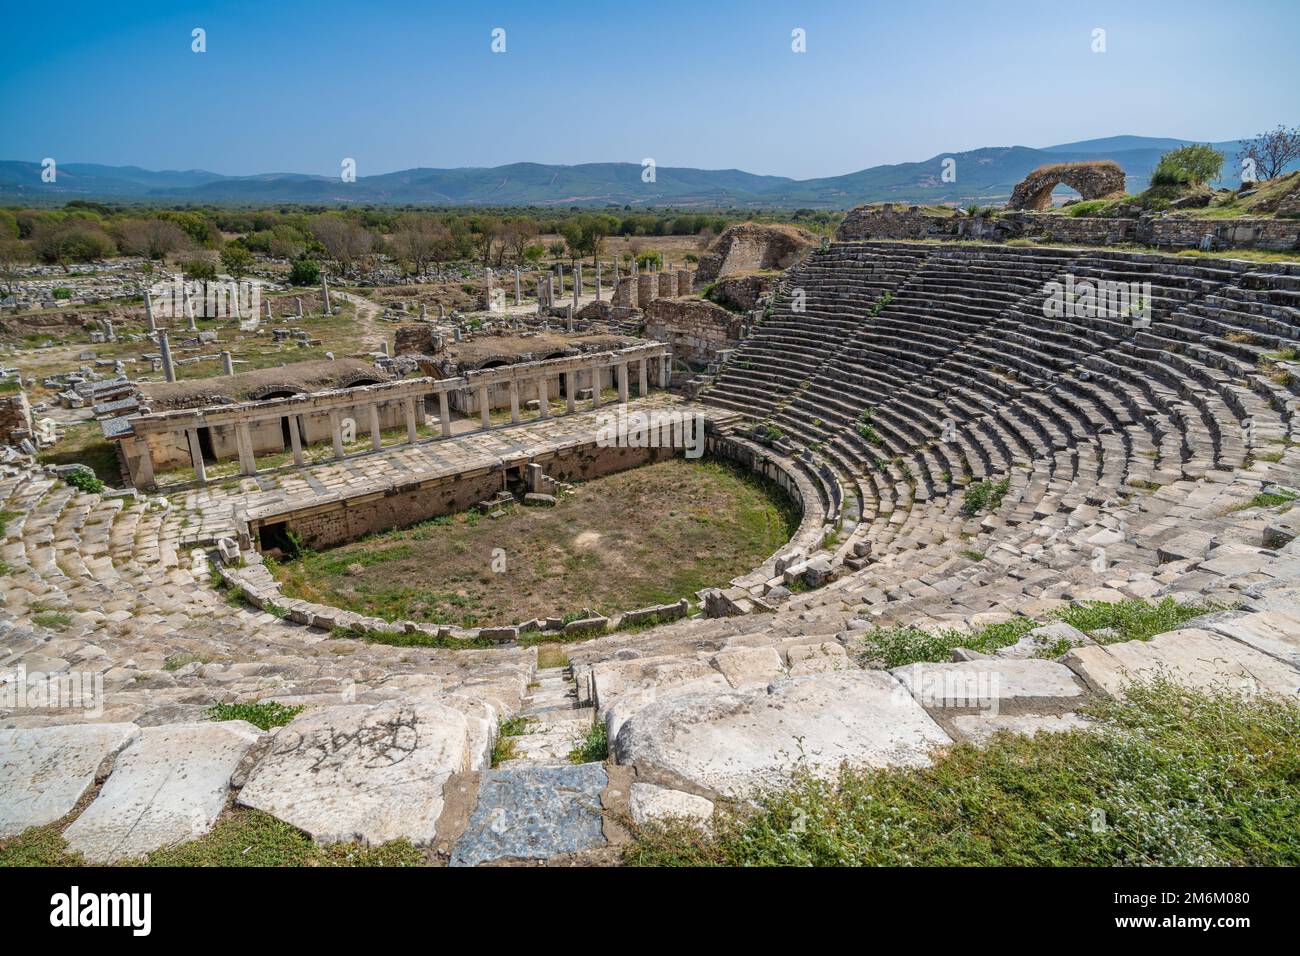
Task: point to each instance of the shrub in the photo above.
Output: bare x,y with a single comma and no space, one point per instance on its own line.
304,271
84,480
1188,165
264,714
984,495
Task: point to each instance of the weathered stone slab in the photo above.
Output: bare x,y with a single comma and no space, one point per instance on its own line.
45,771
749,667
533,813
168,786
651,802
362,772
816,658
979,728
1191,656
738,740
979,683
1275,632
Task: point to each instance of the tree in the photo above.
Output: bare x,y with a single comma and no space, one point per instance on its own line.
342,239
236,259
419,240
12,253
199,269
73,241
1270,153
151,238
1188,166
516,236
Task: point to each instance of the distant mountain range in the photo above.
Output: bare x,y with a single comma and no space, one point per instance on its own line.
983,175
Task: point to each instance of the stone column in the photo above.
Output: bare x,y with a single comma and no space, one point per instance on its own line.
295,439
597,280
518,297
298,302
570,387
444,413
577,287
514,401
595,387
412,428
227,364
143,477
189,312
485,413
169,370
622,382
643,384
665,369
647,289
336,433
559,278
568,319
244,441
550,290
148,311
375,439
325,294
542,400
196,455
683,282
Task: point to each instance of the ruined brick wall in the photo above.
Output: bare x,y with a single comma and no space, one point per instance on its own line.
742,291
15,418
647,288
1092,180
1276,234
751,246
625,293
696,329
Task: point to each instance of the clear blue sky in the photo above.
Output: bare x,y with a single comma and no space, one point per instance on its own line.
290,86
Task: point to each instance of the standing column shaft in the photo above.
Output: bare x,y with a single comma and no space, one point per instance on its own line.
622,382
169,370
571,386
244,440
295,439
412,428
643,384
485,413
444,413
375,439
514,401
196,455
336,433
595,387
542,401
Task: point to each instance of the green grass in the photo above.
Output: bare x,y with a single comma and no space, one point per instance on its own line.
1171,777
263,714
1268,499
5,518
984,495
55,620
592,746
242,837
1132,620
504,748
412,639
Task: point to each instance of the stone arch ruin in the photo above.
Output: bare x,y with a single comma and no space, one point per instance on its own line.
1092,180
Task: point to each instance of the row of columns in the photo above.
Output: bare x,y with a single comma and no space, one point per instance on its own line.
413,412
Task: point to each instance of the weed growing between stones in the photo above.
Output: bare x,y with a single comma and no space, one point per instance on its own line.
264,714
593,746
1105,623
242,837
984,495
1170,777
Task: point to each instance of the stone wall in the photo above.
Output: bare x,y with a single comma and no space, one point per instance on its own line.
888,221
403,502
696,329
15,418
743,291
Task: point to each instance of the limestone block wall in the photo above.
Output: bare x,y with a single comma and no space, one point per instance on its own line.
625,293
888,221
392,505
15,418
647,288
695,328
